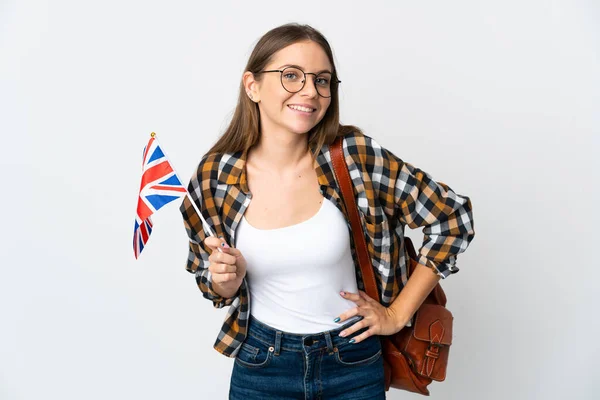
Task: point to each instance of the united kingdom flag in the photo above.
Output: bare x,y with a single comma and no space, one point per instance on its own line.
160,185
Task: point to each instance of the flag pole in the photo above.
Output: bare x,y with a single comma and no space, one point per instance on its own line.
205,226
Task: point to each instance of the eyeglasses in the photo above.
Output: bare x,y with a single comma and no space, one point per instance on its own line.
293,80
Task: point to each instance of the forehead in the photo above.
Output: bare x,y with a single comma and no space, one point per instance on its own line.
308,55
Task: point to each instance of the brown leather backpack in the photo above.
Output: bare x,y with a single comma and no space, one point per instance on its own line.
416,355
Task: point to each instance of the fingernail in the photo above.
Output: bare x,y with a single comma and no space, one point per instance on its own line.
337,319
225,245
343,293
351,341
342,334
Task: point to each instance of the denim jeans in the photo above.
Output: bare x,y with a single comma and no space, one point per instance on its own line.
272,364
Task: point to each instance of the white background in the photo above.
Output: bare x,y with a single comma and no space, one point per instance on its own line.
500,100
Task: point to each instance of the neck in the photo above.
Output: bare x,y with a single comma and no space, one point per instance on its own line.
281,151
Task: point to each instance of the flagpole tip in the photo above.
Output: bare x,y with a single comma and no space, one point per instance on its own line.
152,134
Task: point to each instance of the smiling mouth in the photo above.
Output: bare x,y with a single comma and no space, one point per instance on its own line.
303,109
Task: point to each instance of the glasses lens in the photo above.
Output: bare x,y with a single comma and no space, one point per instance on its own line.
292,79
323,84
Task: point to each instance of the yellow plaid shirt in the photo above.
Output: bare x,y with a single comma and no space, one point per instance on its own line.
390,194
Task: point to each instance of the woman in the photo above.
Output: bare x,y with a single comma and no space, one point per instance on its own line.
299,324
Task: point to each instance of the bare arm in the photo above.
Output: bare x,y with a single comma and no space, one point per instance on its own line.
417,288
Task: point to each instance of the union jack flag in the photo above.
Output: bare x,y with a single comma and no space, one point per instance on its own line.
160,185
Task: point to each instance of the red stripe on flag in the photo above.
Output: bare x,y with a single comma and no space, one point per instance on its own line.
155,173
144,232
143,211
146,150
171,188
135,247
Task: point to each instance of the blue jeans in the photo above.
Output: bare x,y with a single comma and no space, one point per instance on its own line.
272,364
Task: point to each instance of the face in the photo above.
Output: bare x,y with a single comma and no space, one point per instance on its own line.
293,112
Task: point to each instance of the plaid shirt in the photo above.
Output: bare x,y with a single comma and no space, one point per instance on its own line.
390,194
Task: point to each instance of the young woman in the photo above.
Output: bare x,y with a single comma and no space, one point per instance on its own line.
299,324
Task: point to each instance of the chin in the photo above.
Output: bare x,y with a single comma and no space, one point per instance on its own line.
300,128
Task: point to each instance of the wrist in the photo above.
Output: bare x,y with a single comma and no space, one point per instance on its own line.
398,319
229,289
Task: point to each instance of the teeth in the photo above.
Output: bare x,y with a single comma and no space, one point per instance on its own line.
300,108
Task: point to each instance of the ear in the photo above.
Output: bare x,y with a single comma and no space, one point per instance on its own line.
252,86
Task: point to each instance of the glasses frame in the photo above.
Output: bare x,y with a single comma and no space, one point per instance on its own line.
337,81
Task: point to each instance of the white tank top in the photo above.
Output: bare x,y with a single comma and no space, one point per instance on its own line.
295,273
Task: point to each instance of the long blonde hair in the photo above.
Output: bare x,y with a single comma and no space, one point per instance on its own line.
244,129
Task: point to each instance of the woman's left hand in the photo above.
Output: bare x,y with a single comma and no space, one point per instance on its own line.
379,319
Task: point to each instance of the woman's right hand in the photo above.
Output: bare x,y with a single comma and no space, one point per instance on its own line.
228,268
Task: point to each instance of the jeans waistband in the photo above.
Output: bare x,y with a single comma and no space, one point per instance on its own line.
300,342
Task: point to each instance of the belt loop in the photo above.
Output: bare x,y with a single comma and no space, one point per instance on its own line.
277,342
329,342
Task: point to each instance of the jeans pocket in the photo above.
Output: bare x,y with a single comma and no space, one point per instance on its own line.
362,353
254,353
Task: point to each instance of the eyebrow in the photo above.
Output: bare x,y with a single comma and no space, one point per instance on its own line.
299,67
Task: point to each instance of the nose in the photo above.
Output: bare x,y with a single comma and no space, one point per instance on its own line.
310,88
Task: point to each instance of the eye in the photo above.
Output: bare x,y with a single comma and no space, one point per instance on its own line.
290,75
322,81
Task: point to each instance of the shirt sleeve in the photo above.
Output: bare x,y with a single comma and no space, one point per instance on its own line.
419,201
198,253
